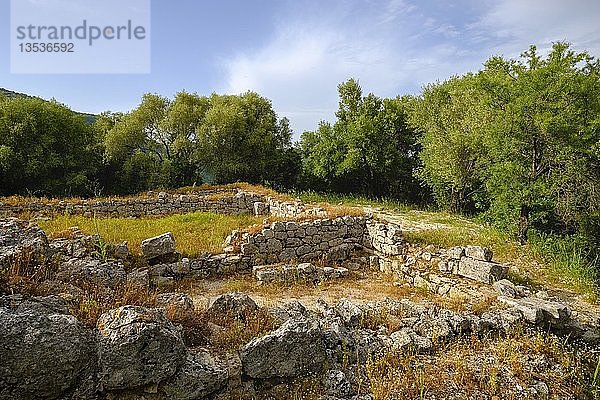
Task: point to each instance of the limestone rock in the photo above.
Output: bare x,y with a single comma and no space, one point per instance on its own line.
233,305
158,246
295,349
137,346
200,376
90,271
482,271
540,311
506,288
456,253
406,339
337,385
121,251
139,279
175,304
290,310
20,239
46,353
350,313
479,253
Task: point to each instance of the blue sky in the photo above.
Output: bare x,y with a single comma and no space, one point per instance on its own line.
295,52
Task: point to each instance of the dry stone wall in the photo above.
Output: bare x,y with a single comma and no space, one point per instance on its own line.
156,204
292,209
331,239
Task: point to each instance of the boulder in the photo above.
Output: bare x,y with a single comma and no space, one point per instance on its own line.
455,253
21,240
159,246
482,271
540,311
295,349
406,339
350,313
200,376
479,253
137,346
90,271
290,310
506,288
337,385
175,304
138,279
121,251
232,305
46,353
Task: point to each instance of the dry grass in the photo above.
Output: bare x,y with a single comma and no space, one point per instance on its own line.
358,287
488,366
194,233
246,187
25,274
24,200
98,300
335,211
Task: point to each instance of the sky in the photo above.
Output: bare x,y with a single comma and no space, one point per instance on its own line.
296,52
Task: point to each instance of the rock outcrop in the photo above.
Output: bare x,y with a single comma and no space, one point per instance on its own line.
295,349
22,242
45,352
137,346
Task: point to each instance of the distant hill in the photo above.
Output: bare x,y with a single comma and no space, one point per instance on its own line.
11,95
90,118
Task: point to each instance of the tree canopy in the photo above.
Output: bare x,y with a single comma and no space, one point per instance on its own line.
517,141
369,150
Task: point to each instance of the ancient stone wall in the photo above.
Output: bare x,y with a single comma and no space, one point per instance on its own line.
156,204
293,209
331,239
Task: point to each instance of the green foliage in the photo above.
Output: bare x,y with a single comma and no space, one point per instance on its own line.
453,122
240,138
45,148
572,258
220,139
517,141
369,150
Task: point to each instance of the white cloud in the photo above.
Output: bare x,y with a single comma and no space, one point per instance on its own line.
397,48
510,26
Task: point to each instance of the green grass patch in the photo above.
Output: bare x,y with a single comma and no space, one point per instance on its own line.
570,261
350,200
194,233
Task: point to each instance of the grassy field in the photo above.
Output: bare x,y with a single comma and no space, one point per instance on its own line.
194,233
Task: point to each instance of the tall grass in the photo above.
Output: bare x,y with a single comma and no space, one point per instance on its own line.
350,200
570,259
194,233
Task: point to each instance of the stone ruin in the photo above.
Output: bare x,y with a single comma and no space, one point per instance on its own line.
137,353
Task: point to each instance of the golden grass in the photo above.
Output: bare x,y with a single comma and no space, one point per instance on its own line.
194,233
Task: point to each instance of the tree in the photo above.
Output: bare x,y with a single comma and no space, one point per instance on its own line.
369,150
240,139
543,170
164,132
45,149
453,117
